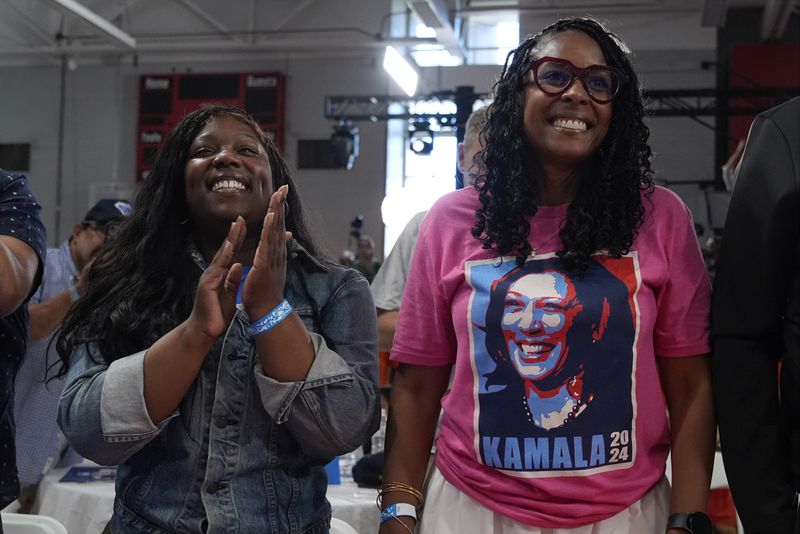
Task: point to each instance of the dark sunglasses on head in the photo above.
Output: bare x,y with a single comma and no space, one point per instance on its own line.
554,76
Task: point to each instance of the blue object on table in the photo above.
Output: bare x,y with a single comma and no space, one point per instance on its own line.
333,471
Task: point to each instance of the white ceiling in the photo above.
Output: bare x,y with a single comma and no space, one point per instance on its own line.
44,31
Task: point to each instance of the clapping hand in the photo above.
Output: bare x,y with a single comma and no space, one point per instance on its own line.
215,300
263,289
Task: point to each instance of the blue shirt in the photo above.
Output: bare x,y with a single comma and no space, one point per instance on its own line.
19,218
35,399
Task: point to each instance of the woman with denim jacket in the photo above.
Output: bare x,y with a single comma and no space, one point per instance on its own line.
215,357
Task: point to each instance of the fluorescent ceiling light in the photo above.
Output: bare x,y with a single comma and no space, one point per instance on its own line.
435,58
425,31
400,70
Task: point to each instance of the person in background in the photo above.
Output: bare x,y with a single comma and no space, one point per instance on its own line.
755,332
35,400
389,283
387,291
568,187
22,249
215,356
366,263
470,164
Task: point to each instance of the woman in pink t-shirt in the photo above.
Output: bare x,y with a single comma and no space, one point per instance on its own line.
567,295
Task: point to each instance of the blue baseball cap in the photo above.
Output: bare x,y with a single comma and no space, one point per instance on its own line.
108,210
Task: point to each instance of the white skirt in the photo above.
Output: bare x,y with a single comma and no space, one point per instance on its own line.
450,511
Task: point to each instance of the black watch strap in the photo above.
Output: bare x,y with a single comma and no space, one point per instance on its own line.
693,523
679,520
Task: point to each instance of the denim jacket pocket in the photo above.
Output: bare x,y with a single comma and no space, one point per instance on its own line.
317,527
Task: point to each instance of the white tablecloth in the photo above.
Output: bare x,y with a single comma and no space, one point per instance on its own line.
86,507
355,506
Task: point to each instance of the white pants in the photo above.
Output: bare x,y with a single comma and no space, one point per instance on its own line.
450,511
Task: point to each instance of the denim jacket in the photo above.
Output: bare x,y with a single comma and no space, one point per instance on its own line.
243,453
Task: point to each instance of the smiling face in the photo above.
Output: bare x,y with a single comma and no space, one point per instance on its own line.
538,311
227,174
564,130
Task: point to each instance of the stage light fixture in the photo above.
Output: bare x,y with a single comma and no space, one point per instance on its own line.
420,138
344,144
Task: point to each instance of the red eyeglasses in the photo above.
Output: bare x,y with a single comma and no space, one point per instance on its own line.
554,76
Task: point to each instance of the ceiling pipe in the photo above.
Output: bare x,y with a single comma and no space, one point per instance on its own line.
577,7
434,14
775,19
207,47
73,8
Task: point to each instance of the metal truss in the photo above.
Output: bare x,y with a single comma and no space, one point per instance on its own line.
713,102
691,103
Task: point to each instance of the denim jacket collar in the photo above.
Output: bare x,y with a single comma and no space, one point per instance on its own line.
296,250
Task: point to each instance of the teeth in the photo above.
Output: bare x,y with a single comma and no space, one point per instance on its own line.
228,185
570,124
532,349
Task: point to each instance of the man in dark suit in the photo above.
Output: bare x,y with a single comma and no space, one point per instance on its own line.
756,326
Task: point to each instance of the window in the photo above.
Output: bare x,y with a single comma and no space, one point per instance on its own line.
414,182
490,37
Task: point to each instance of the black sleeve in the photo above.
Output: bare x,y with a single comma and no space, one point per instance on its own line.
756,265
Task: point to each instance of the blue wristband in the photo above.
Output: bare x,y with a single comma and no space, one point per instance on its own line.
272,319
396,510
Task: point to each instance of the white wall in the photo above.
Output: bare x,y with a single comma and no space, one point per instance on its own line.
101,103
29,107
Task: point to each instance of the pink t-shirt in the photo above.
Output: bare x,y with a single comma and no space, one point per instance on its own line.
555,416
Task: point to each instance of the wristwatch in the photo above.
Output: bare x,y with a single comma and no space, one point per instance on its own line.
693,523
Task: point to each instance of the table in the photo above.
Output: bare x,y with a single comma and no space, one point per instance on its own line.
356,506
86,507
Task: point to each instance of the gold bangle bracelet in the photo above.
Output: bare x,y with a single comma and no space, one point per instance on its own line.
400,487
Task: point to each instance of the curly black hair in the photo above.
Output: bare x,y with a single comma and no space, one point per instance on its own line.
142,281
607,209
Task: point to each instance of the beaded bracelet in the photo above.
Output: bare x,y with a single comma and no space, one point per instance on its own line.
272,319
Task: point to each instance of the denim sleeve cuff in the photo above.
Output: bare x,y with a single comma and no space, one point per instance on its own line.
327,368
123,412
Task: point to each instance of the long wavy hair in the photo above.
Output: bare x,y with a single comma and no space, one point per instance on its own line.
607,210
142,282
